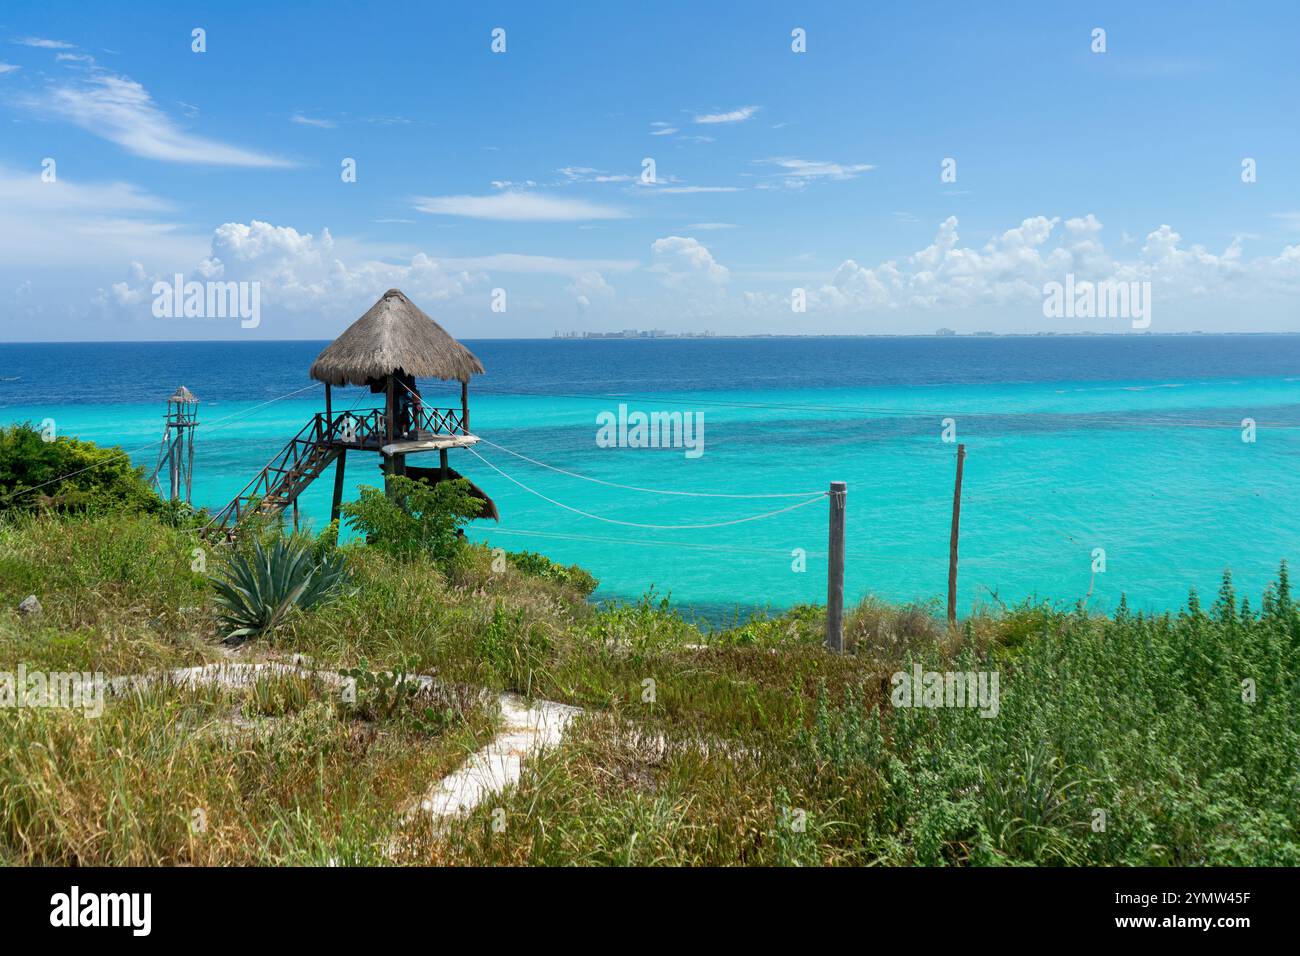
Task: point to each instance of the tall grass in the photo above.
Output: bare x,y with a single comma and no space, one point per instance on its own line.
1133,739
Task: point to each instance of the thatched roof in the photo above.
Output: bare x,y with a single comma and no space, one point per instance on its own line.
394,336
183,396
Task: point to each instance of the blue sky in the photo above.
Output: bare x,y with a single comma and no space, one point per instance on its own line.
521,171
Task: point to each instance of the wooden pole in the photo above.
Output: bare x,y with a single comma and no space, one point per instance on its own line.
329,414
338,486
464,408
174,472
952,543
389,465
189,464
295,513
835,570
389,411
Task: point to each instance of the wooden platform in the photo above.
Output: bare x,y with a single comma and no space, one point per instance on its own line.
432,443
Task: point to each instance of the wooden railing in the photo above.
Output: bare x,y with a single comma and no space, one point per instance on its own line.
319,441
369,429
286,463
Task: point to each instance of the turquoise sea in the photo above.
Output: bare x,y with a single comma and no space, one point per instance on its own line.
1131,444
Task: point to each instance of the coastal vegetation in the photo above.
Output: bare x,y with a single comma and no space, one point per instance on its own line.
1127,739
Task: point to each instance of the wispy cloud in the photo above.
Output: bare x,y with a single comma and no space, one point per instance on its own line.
312,121
8,68
516,207
120,110
713,225
586,174
662,129
733,116
45,44
538,265
700,189
74,225
804,170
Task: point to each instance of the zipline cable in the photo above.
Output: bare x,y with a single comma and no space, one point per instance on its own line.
614,484
651,491
635,524
115,454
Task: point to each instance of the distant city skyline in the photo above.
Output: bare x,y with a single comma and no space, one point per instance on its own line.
743,169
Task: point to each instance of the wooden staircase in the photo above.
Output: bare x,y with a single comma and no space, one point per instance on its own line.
279,484
317,446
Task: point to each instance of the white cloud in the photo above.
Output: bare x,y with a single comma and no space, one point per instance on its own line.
516,207
590,288
686,190
807,169
120,110
1010,270
306,274
734,116
302,273
312,121
586,174
45,44
73,225
537,265
682,261
8,68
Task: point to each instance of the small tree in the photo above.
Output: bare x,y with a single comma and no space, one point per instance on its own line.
68,474
415,518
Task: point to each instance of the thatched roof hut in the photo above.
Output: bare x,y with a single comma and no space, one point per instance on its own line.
183,396
394,337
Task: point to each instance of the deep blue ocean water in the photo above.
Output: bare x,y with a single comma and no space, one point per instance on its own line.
1132,444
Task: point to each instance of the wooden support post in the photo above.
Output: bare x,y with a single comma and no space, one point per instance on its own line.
835,570
338,486
390,411
189,458
329,414
952,543
295,513
174,460
464,408
442,462
386,466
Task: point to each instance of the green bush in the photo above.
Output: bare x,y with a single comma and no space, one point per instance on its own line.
415,518
540,566
68,474
259,590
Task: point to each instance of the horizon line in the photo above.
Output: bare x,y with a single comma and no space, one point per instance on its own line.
676,336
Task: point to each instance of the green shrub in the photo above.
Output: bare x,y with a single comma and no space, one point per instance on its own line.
540,566
415,518
260,590
68,474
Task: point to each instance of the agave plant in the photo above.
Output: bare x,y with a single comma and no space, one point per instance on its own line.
258,591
